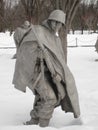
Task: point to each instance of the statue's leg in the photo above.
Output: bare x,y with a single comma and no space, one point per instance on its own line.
34,113
47,103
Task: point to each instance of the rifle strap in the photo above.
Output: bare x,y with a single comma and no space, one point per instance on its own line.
25,35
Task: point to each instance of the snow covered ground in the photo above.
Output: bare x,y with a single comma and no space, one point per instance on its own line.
15,105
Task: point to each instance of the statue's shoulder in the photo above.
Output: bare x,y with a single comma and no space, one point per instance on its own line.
17,32
37,28
18,29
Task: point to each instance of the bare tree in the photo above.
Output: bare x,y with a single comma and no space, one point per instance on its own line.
91,15
70,8
13,16
79,19
32,9
36,10
2,16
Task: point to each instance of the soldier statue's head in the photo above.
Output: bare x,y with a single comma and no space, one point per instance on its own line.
56,19
57,15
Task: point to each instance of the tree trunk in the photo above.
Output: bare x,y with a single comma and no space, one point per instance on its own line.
63,36
1,16
70,8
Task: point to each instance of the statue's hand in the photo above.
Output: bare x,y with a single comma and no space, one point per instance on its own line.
58,77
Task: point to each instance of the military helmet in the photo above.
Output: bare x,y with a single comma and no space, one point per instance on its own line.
57,15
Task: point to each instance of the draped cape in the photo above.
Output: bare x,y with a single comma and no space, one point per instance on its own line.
25,68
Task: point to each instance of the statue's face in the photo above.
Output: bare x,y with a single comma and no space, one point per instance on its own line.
55,25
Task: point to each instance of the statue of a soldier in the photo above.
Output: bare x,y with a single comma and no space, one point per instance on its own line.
20,33
41,66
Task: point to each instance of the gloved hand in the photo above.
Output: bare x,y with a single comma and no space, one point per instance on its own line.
58,78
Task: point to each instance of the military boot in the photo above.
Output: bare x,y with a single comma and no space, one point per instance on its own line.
44,122
32,121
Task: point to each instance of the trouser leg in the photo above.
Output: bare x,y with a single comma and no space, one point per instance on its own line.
44,104
34,113
46,111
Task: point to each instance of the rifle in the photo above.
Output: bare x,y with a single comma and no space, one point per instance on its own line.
26,33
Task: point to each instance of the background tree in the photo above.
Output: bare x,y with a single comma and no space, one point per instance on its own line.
78,21
86,17
79,15
2,15
13,15
90,17
36,10
70,8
